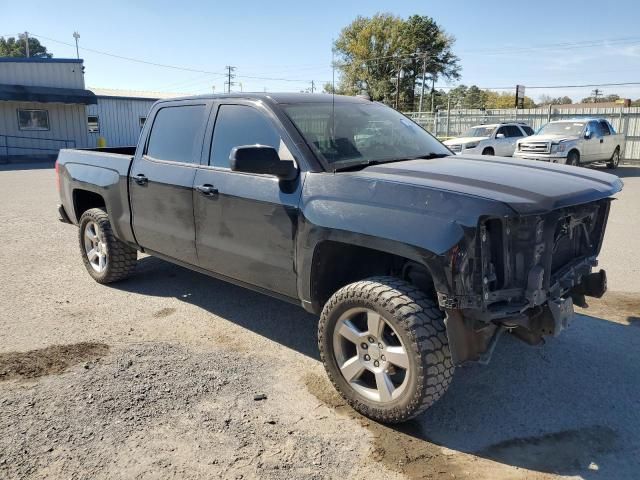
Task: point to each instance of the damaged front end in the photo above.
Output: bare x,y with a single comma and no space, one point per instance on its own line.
522,274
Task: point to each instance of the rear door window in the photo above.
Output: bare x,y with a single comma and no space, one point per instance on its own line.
513,131
238,125
176,133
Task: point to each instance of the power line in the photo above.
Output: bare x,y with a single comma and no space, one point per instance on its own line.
621,84
174,67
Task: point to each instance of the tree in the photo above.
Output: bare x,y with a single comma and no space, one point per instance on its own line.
374,54
10,47
607,98
548,100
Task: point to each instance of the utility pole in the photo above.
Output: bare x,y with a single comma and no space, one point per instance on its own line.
76,35
398,84
26,43
230,75
313,86
595,94
433,93
424,74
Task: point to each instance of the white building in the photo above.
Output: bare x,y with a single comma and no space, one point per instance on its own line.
119,115
44,106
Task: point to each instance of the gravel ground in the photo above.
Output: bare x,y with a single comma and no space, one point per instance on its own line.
157,377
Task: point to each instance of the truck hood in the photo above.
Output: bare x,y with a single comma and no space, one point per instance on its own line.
526,187
463,140
547,138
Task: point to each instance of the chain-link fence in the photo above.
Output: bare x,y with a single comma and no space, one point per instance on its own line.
451,123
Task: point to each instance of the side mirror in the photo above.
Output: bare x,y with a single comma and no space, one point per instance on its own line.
587,135
261,159
500,135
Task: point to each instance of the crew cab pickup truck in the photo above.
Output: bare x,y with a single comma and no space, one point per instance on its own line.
496,139
415,259
574,142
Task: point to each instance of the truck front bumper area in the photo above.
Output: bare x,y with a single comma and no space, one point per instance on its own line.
542,157
471,339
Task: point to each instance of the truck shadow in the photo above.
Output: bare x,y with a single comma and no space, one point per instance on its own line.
623,171
570,407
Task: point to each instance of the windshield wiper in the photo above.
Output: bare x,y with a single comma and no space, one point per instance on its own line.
368,163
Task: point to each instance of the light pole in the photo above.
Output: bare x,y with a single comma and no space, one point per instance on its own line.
76,35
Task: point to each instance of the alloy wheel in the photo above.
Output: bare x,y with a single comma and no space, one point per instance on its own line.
94,246
370,355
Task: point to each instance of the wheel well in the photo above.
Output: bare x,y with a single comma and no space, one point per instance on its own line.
83,200
573,150
486,149
336,264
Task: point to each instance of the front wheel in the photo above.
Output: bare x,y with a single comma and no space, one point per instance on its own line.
106,258
385,349
488,151
615,159
573,159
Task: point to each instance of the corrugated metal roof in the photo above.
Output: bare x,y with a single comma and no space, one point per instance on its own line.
113,92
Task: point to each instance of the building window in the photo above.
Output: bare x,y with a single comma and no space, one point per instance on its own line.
33,119
142,120
93,123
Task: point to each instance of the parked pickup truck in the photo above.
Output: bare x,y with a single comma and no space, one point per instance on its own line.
574,142
415,259
496,139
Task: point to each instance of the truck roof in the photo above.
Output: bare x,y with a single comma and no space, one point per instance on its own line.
578,119
282,98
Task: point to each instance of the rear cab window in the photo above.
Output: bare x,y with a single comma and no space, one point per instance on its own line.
175,134
604,126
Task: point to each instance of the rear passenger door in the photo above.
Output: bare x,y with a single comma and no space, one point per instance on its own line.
246,223
502,144
161,179
513,134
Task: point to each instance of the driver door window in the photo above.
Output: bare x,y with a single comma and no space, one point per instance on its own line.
238,125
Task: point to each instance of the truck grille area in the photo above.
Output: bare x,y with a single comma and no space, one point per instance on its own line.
455,148
528,260
535,147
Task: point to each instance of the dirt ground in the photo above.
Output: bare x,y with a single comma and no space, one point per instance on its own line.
165,376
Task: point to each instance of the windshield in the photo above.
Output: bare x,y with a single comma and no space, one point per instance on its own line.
361,133
479,131
562,128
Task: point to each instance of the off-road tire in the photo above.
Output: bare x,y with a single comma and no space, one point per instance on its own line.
121,258
614,161
488,151
420,324
573,159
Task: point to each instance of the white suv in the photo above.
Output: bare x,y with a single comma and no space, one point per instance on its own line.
496,139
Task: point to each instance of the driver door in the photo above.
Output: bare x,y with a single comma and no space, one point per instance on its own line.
246,223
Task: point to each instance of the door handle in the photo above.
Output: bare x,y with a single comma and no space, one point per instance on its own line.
207,189
141,179
602,140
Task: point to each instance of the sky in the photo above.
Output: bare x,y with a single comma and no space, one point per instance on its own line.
288,44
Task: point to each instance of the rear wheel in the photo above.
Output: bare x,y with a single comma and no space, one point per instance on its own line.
573,158
385,348
488,151
106,258
615,159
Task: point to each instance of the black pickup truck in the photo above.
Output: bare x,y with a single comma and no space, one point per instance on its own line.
416,260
